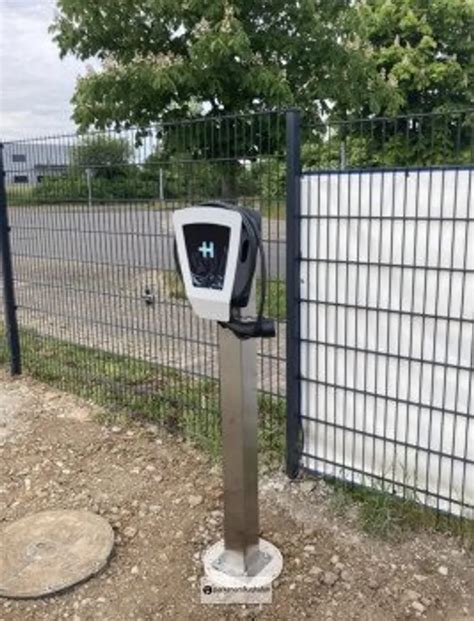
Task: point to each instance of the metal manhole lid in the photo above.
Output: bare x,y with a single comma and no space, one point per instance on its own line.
50,551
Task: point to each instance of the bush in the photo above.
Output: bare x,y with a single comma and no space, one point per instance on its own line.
269,178
73,187
185,177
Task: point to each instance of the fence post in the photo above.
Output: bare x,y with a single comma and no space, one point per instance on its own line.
293,251
7,271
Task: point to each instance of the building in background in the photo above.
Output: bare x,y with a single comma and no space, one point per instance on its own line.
29,162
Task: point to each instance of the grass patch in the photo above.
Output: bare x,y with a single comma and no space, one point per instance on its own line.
275,303
386,516
21,195
28,196
180,403
173,285
272,427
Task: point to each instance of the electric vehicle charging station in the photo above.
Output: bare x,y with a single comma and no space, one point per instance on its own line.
216,250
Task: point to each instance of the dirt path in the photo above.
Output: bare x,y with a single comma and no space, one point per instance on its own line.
164,500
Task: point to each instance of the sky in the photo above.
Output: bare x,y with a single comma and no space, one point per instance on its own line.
35,85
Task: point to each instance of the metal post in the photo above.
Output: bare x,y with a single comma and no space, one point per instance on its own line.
238,370
293,249
8,286
89,187
162,191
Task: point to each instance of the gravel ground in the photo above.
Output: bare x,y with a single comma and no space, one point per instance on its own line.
164,500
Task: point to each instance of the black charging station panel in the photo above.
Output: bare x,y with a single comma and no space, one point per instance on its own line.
207,247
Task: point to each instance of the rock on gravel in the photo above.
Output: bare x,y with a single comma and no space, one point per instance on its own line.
195,500
330,578
418,606
307,486
372,583
130,532
410,596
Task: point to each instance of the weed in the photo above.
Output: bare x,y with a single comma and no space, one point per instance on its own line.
173,285
387,516
275,303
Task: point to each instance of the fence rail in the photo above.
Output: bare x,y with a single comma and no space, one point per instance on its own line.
370,272
100,307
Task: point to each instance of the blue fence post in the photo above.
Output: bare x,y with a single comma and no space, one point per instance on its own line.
293,251
11,323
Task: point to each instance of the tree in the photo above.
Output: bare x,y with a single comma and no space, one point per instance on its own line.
422,49
334,59
171,57
423,52
106,156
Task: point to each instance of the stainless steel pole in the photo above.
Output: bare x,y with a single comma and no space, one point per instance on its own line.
238,372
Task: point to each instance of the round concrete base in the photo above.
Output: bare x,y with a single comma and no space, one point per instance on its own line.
270,564
51,551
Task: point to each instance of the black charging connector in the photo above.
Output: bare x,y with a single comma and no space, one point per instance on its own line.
261,328
267,328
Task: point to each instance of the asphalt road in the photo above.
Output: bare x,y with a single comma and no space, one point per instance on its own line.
114,235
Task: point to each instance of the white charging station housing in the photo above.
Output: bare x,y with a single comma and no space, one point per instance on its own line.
208,244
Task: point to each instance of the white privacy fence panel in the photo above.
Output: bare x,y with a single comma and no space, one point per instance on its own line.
387,316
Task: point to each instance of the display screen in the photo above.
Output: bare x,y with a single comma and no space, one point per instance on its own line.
207,246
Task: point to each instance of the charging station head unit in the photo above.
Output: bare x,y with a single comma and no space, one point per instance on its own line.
216,247
208,241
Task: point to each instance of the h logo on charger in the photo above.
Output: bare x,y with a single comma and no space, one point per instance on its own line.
207,250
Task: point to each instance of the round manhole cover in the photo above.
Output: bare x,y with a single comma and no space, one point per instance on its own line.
50,551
